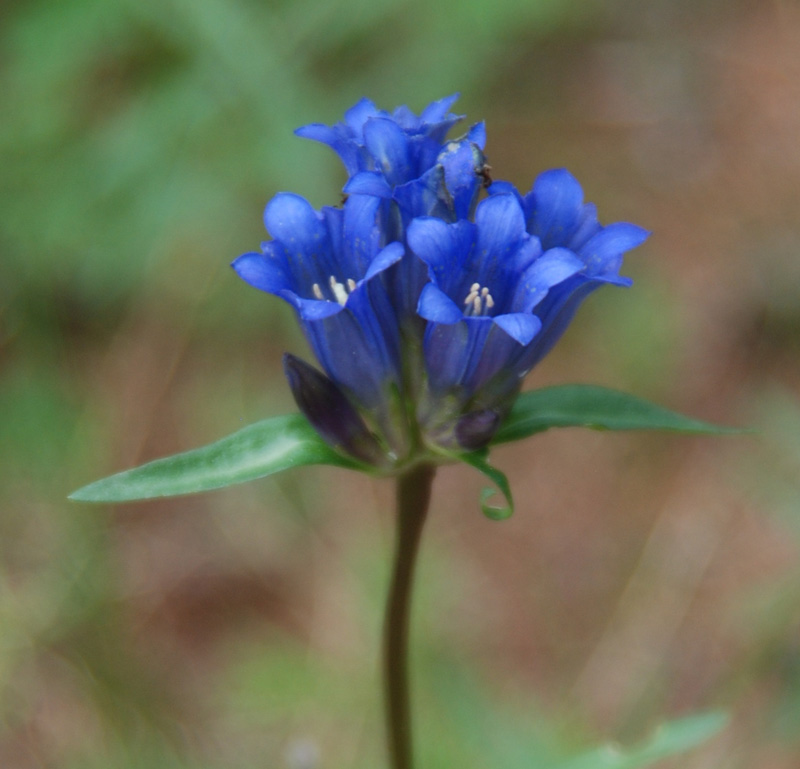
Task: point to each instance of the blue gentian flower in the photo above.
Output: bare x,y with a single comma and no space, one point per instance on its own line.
486,280
424,308
405,160
328,267
502,291
406,156
556,214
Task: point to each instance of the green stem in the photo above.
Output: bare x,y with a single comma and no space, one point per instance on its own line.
413,495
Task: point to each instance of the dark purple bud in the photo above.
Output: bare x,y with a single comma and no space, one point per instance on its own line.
330,412
475,430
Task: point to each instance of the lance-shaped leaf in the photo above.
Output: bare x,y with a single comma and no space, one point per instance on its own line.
258,450
669,739
599,408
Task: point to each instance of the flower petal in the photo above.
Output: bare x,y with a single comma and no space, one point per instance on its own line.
336,137
521,327
426,196
586,228
361,234
446,354
501,226
506,188
390,255
477,134
291,219
603,251
262,272
551,268
388,145
437,110
491,350
312,309
430,239
340,345
556,312
359,113
368,183
557,201
436,306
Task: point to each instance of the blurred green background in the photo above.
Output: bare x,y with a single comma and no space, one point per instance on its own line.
643,577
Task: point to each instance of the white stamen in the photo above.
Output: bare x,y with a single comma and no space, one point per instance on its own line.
339,291
478,300
473,292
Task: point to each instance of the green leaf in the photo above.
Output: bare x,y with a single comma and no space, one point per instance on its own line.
258,450
477,459
597,407
668,740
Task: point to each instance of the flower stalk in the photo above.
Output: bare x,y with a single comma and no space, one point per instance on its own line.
413,497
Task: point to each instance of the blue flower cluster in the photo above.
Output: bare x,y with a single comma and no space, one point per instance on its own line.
424,307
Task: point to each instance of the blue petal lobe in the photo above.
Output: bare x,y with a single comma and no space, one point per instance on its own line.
444,248
359,113
501,227
318,132
361,233
313,309
603,252
368,183
435,305
557,203
390,255
506,188
262,272
291,219
388,145
405,118
337,139
431,240
520,326
586,228
477,134
438,110
550,269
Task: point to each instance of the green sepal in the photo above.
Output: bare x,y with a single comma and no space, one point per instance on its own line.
599,408
477,459
256,451
669,739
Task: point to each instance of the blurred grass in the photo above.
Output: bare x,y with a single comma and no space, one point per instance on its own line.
139,142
